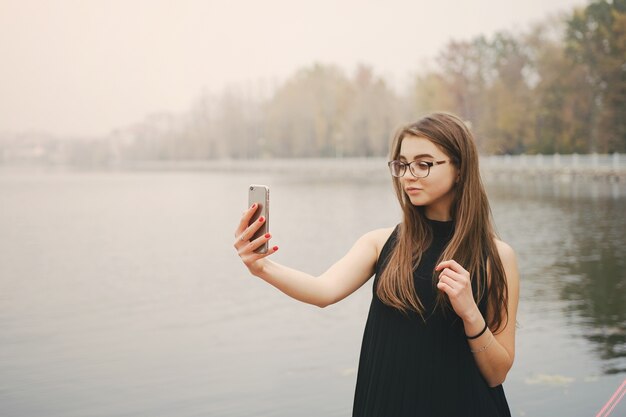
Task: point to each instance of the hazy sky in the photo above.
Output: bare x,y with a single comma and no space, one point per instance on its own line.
84,67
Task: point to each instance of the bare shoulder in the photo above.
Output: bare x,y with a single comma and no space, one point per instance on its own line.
509,262
506,252
378,237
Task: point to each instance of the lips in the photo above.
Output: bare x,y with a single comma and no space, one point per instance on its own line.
412,190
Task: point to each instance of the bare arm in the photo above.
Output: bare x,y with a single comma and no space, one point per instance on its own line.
339,281
494,354
496,359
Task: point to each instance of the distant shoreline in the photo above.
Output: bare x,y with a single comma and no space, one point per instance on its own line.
502,167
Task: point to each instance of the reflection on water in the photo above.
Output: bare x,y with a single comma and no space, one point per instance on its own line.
594,279
587,263
120,294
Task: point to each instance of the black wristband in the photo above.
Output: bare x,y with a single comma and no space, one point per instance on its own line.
479,334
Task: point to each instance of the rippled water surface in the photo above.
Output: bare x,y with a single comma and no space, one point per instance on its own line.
121,295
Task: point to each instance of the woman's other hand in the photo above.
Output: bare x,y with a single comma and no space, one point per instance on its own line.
455,281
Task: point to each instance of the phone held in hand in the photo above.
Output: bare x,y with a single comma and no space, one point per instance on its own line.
260,194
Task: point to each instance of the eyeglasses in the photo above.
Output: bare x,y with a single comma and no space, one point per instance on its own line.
419,169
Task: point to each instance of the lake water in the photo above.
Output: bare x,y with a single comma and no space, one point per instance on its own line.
121,295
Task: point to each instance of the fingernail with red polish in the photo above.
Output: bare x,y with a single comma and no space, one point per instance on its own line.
261,219
275,248
267,236
253,206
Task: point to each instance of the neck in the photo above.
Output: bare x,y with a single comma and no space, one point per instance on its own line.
441,210
440,216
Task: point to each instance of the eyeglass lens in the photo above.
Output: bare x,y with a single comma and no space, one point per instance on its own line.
419,169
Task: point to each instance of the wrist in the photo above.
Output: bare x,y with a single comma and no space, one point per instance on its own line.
474,323
258,268
473,317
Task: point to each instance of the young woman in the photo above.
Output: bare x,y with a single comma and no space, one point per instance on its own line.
440,334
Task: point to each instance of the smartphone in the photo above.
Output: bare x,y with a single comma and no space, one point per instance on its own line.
260,194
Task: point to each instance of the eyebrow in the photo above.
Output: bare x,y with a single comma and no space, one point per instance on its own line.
422,155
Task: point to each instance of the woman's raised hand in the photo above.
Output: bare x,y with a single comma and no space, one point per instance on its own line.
246,247
455,281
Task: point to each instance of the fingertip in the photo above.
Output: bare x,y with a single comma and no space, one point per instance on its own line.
275,248
443,263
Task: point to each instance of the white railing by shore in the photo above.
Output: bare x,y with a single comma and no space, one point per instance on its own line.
592,166
598,166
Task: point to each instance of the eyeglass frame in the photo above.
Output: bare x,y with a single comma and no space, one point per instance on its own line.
408,164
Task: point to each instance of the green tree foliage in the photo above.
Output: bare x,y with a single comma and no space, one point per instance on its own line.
321,112
543,91
560,100
596,41
373,113
558,87
305,116
485,81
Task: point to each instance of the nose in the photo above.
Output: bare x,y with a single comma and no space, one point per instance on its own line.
409,174
407,171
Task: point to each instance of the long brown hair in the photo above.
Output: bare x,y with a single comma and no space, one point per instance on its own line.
472,244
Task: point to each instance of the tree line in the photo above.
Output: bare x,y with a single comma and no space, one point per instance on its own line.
558,87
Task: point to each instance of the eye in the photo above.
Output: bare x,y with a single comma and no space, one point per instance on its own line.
423,165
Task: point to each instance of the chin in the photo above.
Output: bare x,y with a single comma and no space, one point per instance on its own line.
417,202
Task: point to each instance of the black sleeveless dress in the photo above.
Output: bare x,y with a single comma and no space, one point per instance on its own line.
409,367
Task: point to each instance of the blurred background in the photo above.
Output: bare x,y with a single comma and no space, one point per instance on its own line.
130,130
